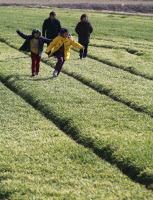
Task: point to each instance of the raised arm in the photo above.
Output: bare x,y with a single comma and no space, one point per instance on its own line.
21,34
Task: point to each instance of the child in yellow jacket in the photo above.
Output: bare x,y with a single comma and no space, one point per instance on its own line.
61,49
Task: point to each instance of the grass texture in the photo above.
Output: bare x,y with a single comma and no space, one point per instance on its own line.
102,105
38,161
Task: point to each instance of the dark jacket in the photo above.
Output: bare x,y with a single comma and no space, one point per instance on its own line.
26,44
52,30
83,29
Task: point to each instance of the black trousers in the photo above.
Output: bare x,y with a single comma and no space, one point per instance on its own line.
83,53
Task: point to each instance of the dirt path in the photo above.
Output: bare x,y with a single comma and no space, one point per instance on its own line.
117,6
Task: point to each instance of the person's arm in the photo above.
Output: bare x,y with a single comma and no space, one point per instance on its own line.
59,27
77,29
91,28
76,44
21,34
46,40
44,27
51,45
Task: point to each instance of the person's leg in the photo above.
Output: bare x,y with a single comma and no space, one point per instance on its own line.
38,64
85,50
60,62
33,66
81,53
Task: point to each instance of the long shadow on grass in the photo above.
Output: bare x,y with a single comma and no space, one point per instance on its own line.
129,50
68,127
102,90
99,88
5,195
31,78
129,69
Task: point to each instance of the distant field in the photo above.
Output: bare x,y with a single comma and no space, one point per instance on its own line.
46,2
131,6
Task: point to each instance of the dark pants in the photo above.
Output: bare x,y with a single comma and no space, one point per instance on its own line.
60,62
83,53
35,63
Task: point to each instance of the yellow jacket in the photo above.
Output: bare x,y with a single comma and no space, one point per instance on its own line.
58,42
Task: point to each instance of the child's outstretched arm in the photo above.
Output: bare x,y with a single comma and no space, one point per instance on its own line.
46,40
51,45
76,44
21,34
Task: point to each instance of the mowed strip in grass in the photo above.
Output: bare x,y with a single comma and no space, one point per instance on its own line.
134,54
38,161
114,131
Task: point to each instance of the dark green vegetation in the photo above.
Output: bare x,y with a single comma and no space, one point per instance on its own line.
105,103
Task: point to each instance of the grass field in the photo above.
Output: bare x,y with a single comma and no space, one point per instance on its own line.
104,103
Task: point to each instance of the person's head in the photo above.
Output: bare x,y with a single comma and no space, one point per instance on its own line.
84,18
64,32
52,15
36,33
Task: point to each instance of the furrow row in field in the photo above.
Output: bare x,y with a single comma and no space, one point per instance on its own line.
115,132
135,92
119,59
38,161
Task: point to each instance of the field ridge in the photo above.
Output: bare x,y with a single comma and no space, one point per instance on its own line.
77,164
67,125
104,153
131,70
98,88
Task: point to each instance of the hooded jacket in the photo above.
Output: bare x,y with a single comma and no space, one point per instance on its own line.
83,29
26,44
58,42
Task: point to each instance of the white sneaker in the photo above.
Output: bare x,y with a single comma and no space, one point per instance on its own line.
55,73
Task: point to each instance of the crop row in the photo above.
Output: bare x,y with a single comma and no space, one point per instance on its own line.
114,131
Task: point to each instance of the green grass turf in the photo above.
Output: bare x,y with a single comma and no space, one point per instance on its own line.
38,161
134,91
114,131
131,51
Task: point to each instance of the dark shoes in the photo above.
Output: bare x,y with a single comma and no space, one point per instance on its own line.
34,74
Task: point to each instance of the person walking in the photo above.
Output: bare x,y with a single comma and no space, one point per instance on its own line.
84,28
61,49
34,43
51,26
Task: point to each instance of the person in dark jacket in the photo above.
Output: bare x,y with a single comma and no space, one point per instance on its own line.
84,29
34,43
51,26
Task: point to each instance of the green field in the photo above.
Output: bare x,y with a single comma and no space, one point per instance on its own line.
88,133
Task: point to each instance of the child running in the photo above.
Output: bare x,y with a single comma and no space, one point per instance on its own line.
34,43
61,49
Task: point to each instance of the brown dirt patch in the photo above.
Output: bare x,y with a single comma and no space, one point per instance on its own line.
123,6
